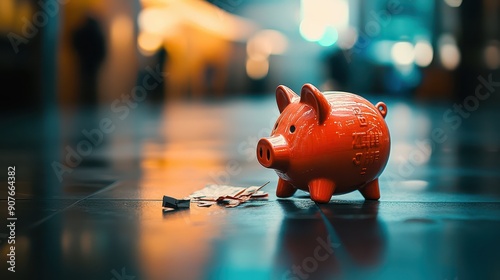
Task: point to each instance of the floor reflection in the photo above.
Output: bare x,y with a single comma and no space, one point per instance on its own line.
441,221
359,230
179,246
305,249
351,241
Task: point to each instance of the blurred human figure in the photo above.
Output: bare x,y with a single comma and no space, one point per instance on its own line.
90,46
155,92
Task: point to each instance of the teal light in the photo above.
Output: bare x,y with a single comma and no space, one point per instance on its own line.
330,37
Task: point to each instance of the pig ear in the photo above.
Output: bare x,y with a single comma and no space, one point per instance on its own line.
285,96
312,96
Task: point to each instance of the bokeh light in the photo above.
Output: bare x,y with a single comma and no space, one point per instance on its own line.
492,55
403,53
423,54
322,20
149,43
347,38
257,68
330,37
311,30
453,3
448,52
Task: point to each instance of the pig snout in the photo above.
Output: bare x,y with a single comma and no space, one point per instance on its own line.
273,152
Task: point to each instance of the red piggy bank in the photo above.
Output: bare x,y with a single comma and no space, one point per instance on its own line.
326,144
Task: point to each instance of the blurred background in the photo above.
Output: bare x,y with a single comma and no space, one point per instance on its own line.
109,105
71,53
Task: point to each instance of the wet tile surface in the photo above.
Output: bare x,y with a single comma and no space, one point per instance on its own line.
438,218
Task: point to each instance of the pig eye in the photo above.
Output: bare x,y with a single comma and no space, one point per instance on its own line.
292,128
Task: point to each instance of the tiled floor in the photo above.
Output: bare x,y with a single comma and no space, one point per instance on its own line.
438,218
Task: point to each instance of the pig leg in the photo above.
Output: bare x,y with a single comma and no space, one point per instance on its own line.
284,189
370,191
321,190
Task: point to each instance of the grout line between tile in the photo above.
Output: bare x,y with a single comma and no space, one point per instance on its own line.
112,185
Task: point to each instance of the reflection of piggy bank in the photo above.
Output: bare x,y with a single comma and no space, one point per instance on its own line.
326,144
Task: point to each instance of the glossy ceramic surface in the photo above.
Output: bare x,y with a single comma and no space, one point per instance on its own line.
326,144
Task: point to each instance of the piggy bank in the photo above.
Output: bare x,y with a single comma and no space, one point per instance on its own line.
326,144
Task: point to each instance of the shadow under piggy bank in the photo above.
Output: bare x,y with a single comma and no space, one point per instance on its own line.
341,239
